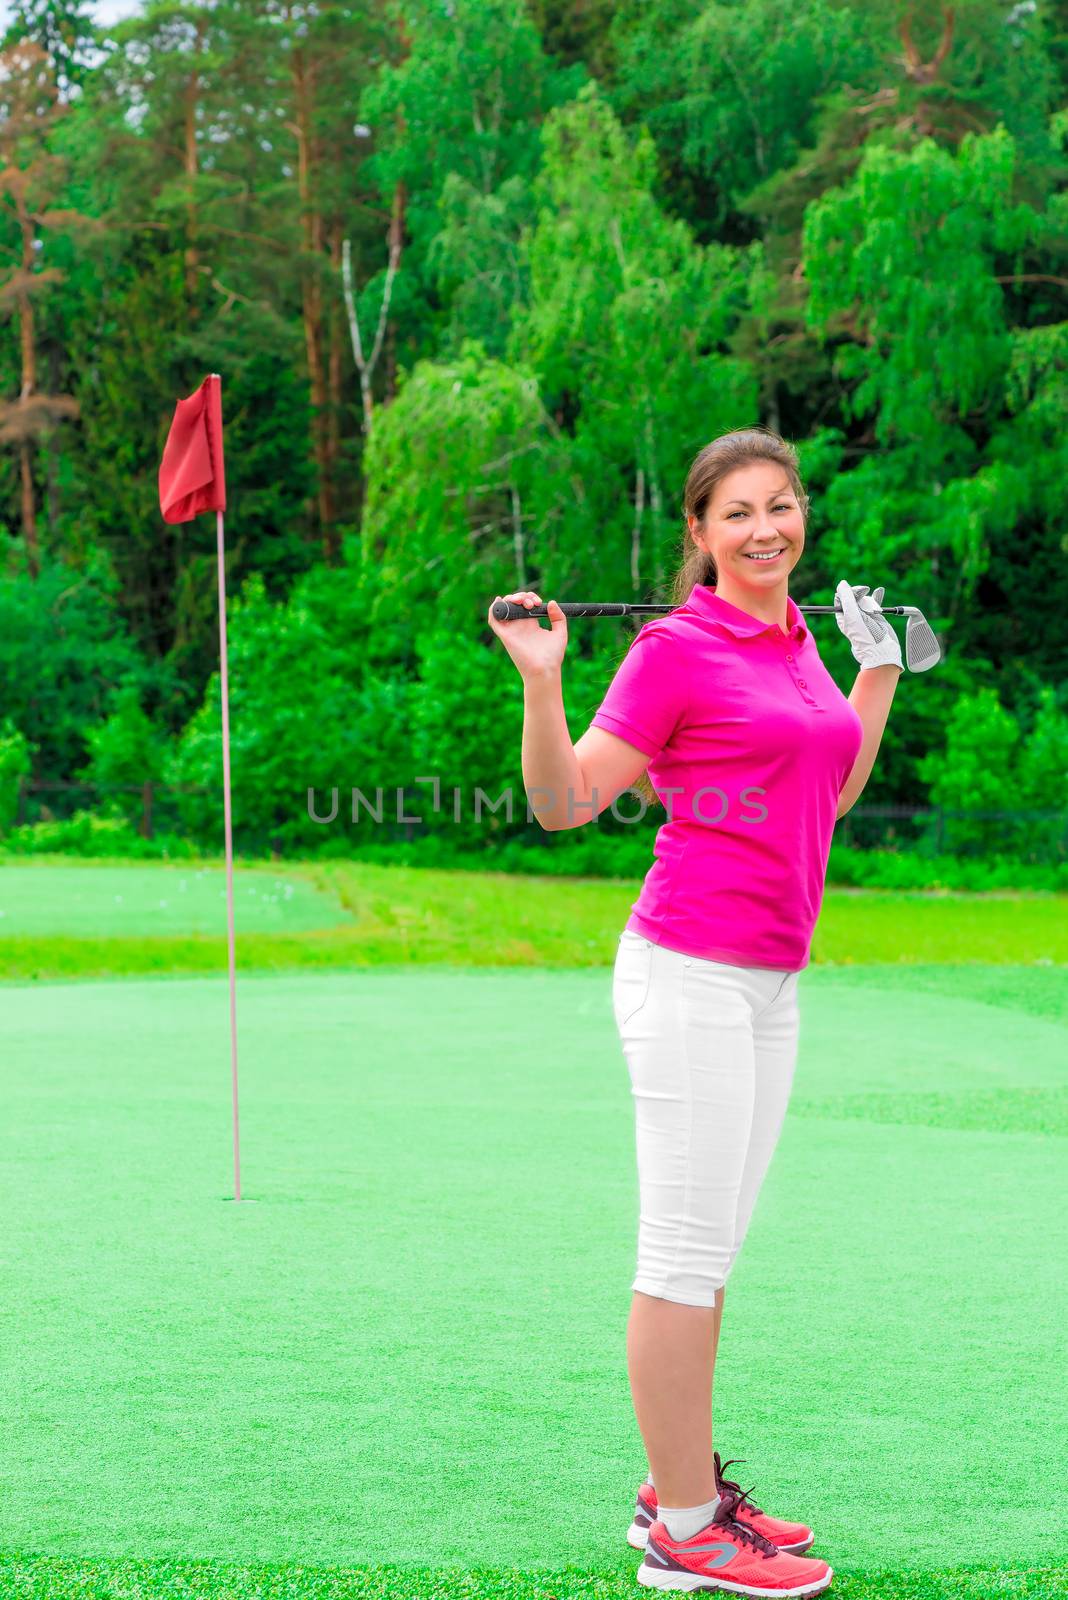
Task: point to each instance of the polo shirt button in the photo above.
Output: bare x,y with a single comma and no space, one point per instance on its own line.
789,658
801,683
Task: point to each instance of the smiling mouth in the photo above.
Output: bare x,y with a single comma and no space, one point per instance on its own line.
766,559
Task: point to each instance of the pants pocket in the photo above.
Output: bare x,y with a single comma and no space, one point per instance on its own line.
787,988
631,980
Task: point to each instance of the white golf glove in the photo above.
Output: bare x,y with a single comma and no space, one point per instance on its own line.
872,640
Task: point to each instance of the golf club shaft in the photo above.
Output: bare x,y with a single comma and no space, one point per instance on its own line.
511,610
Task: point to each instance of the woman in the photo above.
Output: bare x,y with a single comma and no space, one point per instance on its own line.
755,752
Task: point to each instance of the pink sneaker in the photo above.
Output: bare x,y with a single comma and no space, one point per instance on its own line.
792,1537
728,1556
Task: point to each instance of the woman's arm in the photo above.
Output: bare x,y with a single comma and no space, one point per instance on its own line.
568,785
551,769
870,697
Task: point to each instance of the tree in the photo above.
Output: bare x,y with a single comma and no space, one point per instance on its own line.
454,121
63,30
30,177
467,477
627,329
900,267
328,49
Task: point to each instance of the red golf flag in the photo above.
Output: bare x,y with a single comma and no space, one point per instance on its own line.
192,480
192,477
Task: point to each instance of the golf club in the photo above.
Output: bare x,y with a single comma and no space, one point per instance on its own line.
922,649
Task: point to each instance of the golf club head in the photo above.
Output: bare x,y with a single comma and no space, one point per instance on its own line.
922,649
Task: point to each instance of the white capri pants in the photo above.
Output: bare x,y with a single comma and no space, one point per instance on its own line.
711,1050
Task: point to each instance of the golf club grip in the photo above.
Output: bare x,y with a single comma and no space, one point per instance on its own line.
511,610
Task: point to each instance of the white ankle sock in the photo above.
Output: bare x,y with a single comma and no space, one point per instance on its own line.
682,1522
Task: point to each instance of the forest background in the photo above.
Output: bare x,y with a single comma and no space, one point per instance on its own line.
480,278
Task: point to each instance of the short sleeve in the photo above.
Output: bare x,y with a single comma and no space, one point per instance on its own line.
647,697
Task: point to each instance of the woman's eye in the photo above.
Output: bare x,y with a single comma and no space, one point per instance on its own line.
783,506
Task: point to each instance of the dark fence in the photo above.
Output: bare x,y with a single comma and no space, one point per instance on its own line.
1036,836
149,804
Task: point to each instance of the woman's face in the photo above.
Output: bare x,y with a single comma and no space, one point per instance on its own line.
752,511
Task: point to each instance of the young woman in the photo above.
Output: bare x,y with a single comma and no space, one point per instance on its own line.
755,752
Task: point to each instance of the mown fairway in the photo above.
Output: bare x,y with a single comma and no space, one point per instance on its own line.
397,1367
94,920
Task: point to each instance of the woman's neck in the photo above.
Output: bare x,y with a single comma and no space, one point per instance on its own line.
769,605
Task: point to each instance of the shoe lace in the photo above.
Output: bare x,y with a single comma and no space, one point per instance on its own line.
742,1530
729,1483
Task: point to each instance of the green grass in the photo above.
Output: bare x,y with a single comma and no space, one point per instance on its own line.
138,899
48,1579
344,915
398,1369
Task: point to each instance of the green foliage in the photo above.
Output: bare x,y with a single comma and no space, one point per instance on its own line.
757,109
477,261
626,329
1042,768
464,101
455,123
14,766
85,834
113,502
974,769
62,648
906,250
296,722
989,765
618,231
62,28
125,752
730,93
469,735
462,465
910,869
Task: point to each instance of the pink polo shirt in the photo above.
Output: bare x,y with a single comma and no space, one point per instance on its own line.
725,703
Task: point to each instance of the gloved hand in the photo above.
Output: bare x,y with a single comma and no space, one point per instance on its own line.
872,640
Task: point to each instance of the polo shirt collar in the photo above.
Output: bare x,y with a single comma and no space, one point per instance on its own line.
707,603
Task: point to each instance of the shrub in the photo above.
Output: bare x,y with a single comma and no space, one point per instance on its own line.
62,648
14,766
125,751
86,834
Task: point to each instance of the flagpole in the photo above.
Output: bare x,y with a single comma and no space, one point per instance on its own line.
229,841
192,479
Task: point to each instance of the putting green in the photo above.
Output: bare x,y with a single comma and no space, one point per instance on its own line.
406,1345
151,898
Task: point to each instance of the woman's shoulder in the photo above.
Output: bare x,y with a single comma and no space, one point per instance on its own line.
681,626
661,635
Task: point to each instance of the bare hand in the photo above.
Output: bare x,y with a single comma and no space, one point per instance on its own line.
534,649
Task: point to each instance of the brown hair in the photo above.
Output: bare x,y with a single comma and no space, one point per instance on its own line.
713,462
